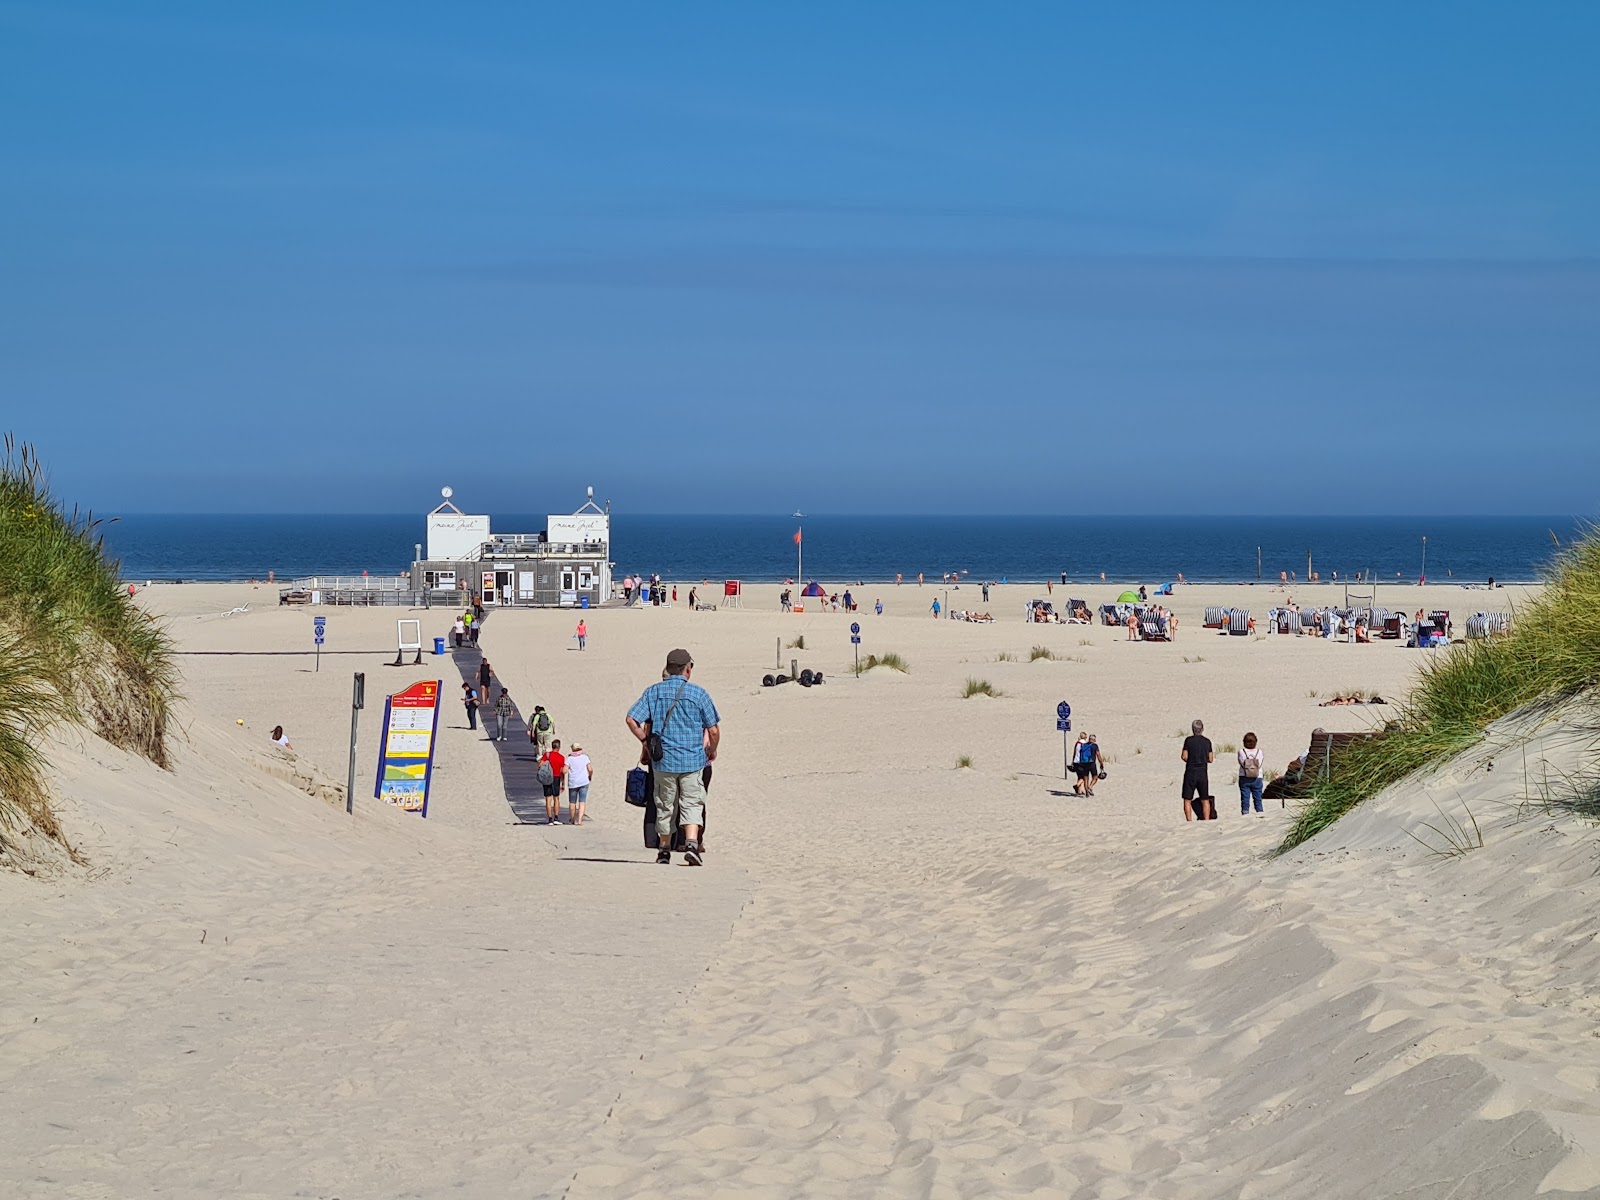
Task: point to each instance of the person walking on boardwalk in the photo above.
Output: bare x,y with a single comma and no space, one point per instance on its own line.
583,633
469,700
475,627
503,712
1197,757
681,730
485,677
552,774
579,772
540,729
458,631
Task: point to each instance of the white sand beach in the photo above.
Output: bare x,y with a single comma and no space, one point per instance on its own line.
893,977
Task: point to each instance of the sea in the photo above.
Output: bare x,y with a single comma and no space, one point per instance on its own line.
845,549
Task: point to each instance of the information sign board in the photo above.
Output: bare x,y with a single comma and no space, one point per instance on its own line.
405,755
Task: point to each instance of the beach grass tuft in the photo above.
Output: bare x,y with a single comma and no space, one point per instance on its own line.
1005,656
963,762
980,687
1551,655
887,659
76,647
1043,652
799,643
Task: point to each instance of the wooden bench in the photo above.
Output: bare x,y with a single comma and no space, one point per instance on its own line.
1319,758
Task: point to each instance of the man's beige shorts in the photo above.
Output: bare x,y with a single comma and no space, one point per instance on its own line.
682,794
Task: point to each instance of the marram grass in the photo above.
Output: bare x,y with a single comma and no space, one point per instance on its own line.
75,646
1551,654
887,659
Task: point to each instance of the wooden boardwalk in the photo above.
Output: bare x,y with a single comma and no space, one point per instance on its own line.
516,753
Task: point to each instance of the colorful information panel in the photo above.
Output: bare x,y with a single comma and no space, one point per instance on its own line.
405,759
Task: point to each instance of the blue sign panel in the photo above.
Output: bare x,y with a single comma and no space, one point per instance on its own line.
855,627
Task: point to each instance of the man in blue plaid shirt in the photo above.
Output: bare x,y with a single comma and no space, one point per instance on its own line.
686,720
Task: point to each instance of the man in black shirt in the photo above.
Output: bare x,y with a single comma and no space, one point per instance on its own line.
1196,782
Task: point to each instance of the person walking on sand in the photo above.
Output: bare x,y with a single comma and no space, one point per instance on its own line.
919,578
1197,758
1251,770
1081,759
469,701
676,719
552,774
541,729
579,772
280,738
458,630
583,633
935,609
694,606
503,712
897,578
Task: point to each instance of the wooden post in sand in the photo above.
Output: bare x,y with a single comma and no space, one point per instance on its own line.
358,700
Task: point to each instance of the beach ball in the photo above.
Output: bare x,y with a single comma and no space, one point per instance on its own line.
241,721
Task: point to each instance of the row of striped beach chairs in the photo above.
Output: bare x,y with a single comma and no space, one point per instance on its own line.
1235,620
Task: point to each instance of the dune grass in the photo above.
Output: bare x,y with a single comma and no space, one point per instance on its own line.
1551,654
1043,652
799,643
75,646
1005,656
887,659
963,762
980,687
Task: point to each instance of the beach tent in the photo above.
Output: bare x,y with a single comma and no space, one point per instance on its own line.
1164,590
813,589
1128,598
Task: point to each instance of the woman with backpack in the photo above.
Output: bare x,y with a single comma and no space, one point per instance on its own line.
1251,771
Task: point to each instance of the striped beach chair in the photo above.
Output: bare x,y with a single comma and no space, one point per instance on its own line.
1238,622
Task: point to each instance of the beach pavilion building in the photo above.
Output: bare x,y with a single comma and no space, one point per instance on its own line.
567,564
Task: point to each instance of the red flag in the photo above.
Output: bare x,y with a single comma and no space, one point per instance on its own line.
796,537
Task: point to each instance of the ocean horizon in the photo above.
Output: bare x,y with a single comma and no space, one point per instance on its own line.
873,548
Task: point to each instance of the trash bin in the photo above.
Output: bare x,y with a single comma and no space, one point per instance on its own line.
583,602
438,645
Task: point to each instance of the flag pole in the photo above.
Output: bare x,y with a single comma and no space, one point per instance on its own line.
799,558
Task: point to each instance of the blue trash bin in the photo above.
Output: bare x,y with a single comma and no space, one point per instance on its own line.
438,645
583,602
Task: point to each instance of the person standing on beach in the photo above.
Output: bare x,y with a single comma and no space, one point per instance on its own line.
583,633
1251,770
897,580
579,772
469,701
541,729
503,712
682,716
986,591
1196,757
552,774
919,578
694,605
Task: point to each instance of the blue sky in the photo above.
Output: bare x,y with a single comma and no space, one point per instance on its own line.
922,258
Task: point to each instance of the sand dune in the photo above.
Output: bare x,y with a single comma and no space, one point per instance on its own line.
893,978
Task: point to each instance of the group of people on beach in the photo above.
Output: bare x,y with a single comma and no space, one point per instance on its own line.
676,724
1197,756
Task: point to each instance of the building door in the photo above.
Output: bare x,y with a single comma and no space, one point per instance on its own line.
505,587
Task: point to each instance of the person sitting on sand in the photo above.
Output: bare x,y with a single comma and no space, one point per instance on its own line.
281,738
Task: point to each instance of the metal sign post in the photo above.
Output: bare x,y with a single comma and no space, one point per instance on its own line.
320,624
358,701
1064,724
855,640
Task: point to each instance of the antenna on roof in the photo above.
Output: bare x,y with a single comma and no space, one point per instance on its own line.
591,491
447,491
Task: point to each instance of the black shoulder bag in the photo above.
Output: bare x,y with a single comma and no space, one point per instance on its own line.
652,742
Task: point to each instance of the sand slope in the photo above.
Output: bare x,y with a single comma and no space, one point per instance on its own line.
894,977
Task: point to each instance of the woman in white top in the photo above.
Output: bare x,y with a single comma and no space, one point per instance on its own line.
280,737
579,771
1251,772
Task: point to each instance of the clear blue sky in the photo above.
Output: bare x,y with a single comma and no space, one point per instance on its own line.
743,257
